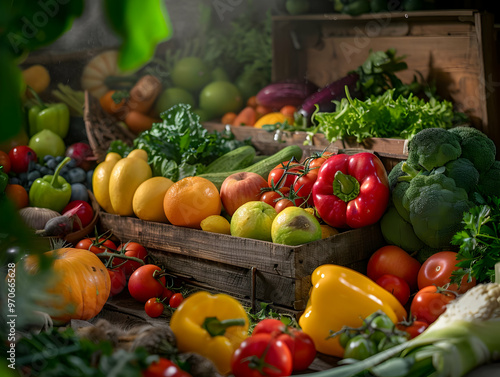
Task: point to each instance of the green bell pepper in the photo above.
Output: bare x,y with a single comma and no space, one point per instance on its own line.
51,191
54,117
4,180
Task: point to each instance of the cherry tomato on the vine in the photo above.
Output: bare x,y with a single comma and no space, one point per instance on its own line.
154,307
164,368
131,249
96,246
272,197
303,186
430,302
146,282
437,270
412,328
298,342
167,293
175,300
282,204
396,285
262,355
118,280
290,169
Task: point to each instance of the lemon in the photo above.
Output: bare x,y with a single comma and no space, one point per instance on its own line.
215,224
253,220
328,231
147,202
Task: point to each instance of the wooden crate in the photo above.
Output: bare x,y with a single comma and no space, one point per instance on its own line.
456,49
246,268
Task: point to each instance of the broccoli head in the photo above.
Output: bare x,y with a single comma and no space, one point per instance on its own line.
432,148
476,147
395,173
463,172
489,181
436,207
396,231
398,198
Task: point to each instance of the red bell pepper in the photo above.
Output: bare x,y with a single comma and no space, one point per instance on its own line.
351,191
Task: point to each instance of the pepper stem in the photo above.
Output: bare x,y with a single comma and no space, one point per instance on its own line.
55,181
40,102
345,187
216,327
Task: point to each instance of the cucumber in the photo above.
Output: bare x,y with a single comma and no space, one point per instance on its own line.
238,158
263,167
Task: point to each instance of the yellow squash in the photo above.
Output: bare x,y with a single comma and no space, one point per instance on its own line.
126,176
100,181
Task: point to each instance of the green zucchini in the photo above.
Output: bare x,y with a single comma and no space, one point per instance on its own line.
263,167
238,158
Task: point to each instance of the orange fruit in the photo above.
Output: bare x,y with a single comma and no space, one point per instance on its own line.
190,200
18,195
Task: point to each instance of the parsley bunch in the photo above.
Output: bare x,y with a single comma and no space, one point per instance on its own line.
479,242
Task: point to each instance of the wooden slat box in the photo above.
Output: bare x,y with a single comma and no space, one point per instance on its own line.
243,267
454,48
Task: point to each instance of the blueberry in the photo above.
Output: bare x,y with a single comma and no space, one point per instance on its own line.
51,164
47,157
59,159
45,170
34,175
71,164
14,181
23,177
79,192
77,175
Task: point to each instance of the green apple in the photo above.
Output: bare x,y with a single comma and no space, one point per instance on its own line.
253,220
295,226
47,142
171,97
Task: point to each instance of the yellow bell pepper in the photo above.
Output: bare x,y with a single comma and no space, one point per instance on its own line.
211,325
341,297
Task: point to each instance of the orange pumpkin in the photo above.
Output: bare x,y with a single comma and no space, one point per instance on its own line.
80,287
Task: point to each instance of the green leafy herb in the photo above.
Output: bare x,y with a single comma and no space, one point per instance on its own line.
120,147
62,353
479,242
384,116
180,146
265,312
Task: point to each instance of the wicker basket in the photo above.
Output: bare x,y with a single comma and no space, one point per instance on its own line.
102,128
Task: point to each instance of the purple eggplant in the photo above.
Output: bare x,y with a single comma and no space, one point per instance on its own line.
324,97
280,94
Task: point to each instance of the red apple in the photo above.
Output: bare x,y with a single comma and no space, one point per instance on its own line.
240,188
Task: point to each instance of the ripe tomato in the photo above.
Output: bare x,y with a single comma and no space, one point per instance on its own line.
96,246
131,249
413,328
290,170
271,197
437,270
144,283
20,158
167,293
298,342
164,368
429,303
175,300
303,186
397,286
85,213
280,205
5,162
262,355
118,280
154,307
316,161
395,261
